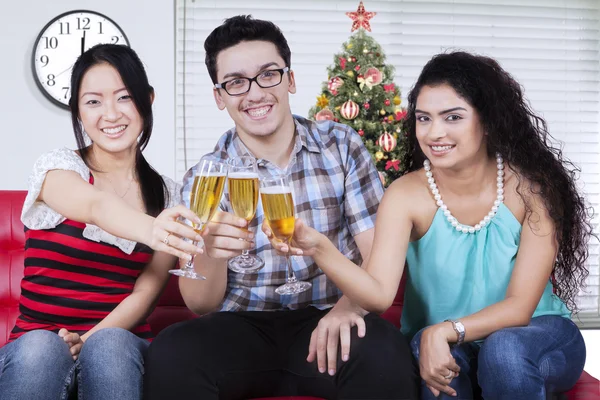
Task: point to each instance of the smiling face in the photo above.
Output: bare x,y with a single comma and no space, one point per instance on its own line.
107,111
261,112
448,128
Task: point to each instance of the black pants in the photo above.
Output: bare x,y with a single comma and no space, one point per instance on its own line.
244,355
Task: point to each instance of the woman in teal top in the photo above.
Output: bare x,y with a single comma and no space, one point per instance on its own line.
495,236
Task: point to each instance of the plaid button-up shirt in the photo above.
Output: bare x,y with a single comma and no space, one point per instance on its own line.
336,190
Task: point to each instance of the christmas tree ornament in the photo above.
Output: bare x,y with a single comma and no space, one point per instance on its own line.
361,132
365,82
366,106
393,163
324,115
387,142
389,88
387,102
375,75
350,74
349,46
365,51
382,111
342,63
391,118
360,18
397,100
379,156
381,177
353,59
322,101
356,93
334,84
349,110
357,68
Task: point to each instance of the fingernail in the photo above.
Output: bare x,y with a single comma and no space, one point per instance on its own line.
345,357
299,252
321,369
242,222
250,235
198,238
332,372
199,251
197,220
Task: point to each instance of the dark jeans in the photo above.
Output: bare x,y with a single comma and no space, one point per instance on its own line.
243,355
522,363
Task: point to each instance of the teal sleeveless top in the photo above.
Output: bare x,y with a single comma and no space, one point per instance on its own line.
454,274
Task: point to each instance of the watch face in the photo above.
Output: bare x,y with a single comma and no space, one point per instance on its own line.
59,44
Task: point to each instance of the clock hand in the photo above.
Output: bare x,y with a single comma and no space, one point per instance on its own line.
69,68
83,43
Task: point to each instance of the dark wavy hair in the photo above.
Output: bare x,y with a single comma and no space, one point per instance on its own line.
243,28
132,72
522,137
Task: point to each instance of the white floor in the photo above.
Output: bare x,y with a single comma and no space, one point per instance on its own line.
592,344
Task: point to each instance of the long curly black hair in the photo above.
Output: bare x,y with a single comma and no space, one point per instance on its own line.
522,137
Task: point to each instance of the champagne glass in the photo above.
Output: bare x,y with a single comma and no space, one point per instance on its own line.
205,198
243,186
278,205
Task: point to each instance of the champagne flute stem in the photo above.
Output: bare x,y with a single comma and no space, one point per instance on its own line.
189,265
291,277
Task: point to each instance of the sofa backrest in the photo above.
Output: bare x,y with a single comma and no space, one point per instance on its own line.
170,307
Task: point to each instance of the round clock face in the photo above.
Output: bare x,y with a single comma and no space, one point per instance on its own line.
59,44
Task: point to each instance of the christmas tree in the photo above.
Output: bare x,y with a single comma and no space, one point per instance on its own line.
360,92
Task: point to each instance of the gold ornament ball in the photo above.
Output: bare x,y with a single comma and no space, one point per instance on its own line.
365,51
379,155
397,100
338,109
350,73
382,111
349,46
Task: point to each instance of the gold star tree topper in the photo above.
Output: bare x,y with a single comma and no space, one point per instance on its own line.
361,18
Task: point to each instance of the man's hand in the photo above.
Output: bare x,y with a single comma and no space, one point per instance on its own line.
227,236
332,327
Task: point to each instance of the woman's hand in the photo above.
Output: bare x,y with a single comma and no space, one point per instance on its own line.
74,341
168,233
305,242
436,364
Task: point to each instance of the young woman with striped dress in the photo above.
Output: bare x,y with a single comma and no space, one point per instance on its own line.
93,219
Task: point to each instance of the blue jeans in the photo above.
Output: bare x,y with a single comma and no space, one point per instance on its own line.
39,366
525,363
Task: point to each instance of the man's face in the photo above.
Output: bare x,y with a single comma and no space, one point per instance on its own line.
260,112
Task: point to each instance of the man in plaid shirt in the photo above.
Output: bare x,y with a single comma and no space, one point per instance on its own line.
257,344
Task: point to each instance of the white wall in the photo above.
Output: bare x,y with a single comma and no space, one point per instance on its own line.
30,125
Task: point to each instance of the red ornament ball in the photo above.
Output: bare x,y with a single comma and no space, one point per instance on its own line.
387,142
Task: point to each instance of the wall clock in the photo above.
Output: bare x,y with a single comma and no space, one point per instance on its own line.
61,41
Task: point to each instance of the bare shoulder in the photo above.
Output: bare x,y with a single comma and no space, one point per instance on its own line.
409,192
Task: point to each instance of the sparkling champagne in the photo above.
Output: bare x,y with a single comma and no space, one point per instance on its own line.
243,194
206,196
278,205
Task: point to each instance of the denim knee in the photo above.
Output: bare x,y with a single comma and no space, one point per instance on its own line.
504,366
112,349
42,351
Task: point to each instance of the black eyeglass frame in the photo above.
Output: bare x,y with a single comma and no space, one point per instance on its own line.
255,79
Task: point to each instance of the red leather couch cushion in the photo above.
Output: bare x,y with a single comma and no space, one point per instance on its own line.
170,308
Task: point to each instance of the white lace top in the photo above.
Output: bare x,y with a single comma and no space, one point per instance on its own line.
38,215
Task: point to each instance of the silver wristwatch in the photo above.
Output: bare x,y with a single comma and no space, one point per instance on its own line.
459,328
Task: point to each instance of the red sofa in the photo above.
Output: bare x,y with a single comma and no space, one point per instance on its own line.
170,308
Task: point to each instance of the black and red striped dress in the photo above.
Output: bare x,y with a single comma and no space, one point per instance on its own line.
75,274
72,282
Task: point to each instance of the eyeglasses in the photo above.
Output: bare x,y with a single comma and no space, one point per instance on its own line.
241,85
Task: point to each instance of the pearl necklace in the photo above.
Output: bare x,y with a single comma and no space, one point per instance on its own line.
451,219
